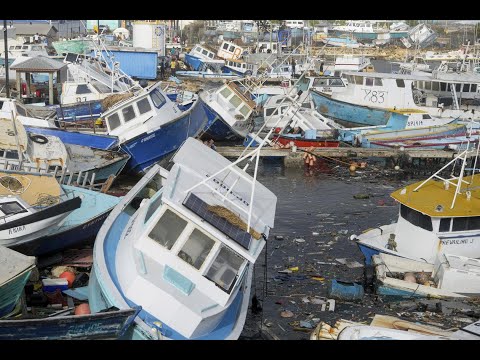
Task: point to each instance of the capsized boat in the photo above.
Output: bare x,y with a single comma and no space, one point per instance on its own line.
437,215
451,276
41,216
20,150
186,254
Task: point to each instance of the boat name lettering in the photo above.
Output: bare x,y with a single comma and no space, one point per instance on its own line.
132,145
454,242
375,96
223,186
151,136
16,229
129,230
81,99
415,123
94,221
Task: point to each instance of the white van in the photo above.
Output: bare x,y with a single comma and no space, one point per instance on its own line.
295,24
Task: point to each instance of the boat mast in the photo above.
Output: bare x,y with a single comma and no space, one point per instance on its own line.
5,41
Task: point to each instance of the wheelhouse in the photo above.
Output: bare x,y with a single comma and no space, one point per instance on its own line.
229,50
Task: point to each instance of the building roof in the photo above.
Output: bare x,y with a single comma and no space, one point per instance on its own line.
39,64
32,29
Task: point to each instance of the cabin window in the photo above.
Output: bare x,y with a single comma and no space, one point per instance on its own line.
21,111
18,47
225,46
369,81
196,249
235,101
443,86
198,49
11,47
157,98
36,48
13,207
168,229
416,218
204,52
466,223
435,86
82,89
358,79
320,82
25,47
428,85
448,87
244,66
232,49
11,154
378,82
225,268
226,92
458,87
128,113
143,106
400,83
466,87
269,112
113,121
444,225
244,110
211,55
473,88
426,117
350,79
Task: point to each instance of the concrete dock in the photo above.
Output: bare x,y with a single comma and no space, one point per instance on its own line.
295,158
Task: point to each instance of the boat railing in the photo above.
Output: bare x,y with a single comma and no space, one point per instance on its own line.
82,179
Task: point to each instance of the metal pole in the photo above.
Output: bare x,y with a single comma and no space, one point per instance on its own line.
5,41
98,31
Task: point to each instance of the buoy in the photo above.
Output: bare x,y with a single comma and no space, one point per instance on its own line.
70,276
397,167
410,277
352,168
82,309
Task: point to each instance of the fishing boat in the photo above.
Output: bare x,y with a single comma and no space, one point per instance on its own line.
209,74
420,36
15,269
90,80
41,216
186,254
370,94
49,154
229,112
438,215
150,126
109,324
368,332
451,276
359,29
201,55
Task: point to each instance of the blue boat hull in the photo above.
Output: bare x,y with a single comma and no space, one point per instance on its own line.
349,114
158,145
194,62
396,294
79,226
10,293
368,252
216,128
82,111
97,298
106,325
97,141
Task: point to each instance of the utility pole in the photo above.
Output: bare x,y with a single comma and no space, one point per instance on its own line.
5,40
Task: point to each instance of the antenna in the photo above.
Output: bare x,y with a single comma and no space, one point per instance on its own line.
457,181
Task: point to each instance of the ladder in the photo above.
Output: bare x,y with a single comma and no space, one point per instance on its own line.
454,96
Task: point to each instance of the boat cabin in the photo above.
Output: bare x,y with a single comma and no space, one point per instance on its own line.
132,116
228,50
186,253
234,103
202,52
240,67
77,92
32,50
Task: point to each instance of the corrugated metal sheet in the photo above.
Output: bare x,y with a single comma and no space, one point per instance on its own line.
138,64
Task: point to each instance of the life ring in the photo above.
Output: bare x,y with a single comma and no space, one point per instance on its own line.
39,139
237,53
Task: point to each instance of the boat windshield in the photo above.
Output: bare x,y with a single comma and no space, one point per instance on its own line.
416,218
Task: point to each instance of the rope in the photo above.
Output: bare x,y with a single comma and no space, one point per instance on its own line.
46,200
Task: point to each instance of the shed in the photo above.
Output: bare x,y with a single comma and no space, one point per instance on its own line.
39,64
136,62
